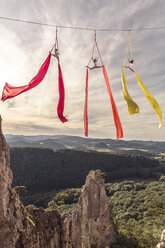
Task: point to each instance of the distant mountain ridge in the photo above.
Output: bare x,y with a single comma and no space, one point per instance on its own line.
58,142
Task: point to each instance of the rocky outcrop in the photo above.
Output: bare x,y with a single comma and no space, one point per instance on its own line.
10,206
5,174
12,212
90,225
162,244
41,229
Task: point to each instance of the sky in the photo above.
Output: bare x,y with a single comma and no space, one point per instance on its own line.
24,47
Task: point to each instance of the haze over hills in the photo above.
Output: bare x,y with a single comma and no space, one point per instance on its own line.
57,142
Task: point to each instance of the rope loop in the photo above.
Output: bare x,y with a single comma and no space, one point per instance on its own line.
129,46
95,45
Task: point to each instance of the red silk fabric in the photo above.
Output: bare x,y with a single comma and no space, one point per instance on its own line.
60,107
10,91
86,107
119,130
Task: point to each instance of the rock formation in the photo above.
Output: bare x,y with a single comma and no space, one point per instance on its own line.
162,244
90,225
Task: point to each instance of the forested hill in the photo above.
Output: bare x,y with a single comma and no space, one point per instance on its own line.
135,187
56,142
42,170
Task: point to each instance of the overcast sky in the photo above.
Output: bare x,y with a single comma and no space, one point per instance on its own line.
24,47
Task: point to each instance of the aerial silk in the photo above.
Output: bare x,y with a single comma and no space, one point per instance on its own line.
61,89
86,106
151,100
60,107
132,106
119,131
10,91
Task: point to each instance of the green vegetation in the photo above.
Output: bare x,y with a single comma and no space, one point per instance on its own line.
60,198
101,175
52,205
20,189
43,170
64,201
28,217
138,208
135,186
62,208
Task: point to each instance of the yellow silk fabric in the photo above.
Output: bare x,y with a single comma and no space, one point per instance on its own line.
151,99
132,106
